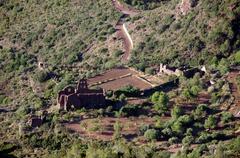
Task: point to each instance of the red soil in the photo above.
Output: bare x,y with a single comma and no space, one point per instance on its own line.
235,91
117,78
110,74
124,9
131,80
119,27
130,127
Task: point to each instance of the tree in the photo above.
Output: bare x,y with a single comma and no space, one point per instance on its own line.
226,117
176,112
200,112
195,90
117,130
223,66
161,104
42,76
163,99
151,134
122,97
188,140
177,127
187,94
210,123
155,97
237,57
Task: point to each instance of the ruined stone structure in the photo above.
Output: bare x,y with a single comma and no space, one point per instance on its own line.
37,121
80,96
164,69
181,71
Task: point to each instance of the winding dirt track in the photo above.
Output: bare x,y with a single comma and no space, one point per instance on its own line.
122,32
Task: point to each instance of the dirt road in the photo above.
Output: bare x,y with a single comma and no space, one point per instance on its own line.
121,28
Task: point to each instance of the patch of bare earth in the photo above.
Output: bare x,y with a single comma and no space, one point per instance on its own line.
235,108
117,78
103,128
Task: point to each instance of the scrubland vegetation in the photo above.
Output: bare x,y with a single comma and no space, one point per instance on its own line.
208,34
70,38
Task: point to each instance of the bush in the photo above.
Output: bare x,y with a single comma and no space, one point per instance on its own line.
149,71
210,122
188,140
160,101
118,53
201,111
151,134
143,128
223,66
237,57
128,91
23,111
41,76
176,112
226,117
2,98
173,140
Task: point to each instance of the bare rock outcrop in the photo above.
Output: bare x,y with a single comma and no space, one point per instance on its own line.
185,6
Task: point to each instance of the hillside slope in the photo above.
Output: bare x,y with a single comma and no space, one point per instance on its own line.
186,33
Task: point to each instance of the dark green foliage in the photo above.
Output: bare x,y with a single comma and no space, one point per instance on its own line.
128,91
210,122
226,117
237,57
191,87
42,76
6,149
131,110
151,134
143,129
176,112
160,100
201,111
143,4
118,53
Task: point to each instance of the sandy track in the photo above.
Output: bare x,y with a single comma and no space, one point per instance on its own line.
121,28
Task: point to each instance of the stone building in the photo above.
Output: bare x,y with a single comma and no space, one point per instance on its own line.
181,71
164,69
37,121
81,96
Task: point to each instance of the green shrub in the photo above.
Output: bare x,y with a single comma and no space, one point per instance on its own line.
210,122
143,128
128,91
160,100
151,134
176,112
226,117
237,57
118,53
173,140
41,76
188,140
